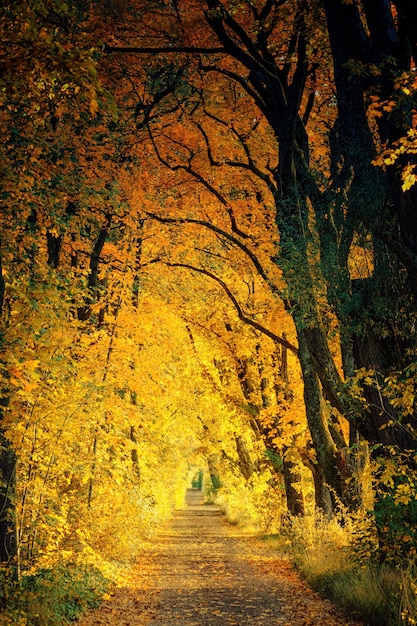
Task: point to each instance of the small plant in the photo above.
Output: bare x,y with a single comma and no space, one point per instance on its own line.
340,561
54,597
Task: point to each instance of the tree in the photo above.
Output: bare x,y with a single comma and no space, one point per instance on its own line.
46,74
233,194
276,96
276,76
375,202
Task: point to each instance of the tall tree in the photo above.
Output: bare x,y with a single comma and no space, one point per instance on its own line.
272,54
273,89
369,64
44,73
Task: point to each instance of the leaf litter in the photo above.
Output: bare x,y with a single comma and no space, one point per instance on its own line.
201,571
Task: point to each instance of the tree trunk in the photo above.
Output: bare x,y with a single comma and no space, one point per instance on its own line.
2,284
134,453
7,493
293,488
245,463
323,443
93,281
7,469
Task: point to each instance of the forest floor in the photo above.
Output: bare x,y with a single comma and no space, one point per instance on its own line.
201,570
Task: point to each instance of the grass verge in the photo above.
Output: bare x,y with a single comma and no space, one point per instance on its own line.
325,555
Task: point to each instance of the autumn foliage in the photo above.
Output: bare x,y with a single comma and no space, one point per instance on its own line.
208,262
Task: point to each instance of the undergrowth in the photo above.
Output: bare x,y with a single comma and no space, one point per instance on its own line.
51,597
337,558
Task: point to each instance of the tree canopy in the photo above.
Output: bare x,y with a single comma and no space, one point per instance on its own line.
208,261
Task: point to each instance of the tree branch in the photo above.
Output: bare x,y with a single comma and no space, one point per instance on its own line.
249,165
186,168
240,313
164,50
188,220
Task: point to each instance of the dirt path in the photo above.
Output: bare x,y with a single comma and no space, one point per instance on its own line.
203,571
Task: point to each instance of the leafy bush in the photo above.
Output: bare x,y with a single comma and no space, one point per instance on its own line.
56,596
395,507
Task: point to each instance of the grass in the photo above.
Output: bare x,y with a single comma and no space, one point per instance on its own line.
324,553
364,592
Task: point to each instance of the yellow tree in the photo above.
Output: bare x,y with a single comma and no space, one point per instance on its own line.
45,70
272,64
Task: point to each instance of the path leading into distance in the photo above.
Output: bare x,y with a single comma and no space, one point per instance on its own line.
202,571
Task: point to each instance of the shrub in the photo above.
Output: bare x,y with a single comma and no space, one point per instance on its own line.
55,596
339,561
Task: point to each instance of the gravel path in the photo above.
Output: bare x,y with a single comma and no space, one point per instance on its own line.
203,571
